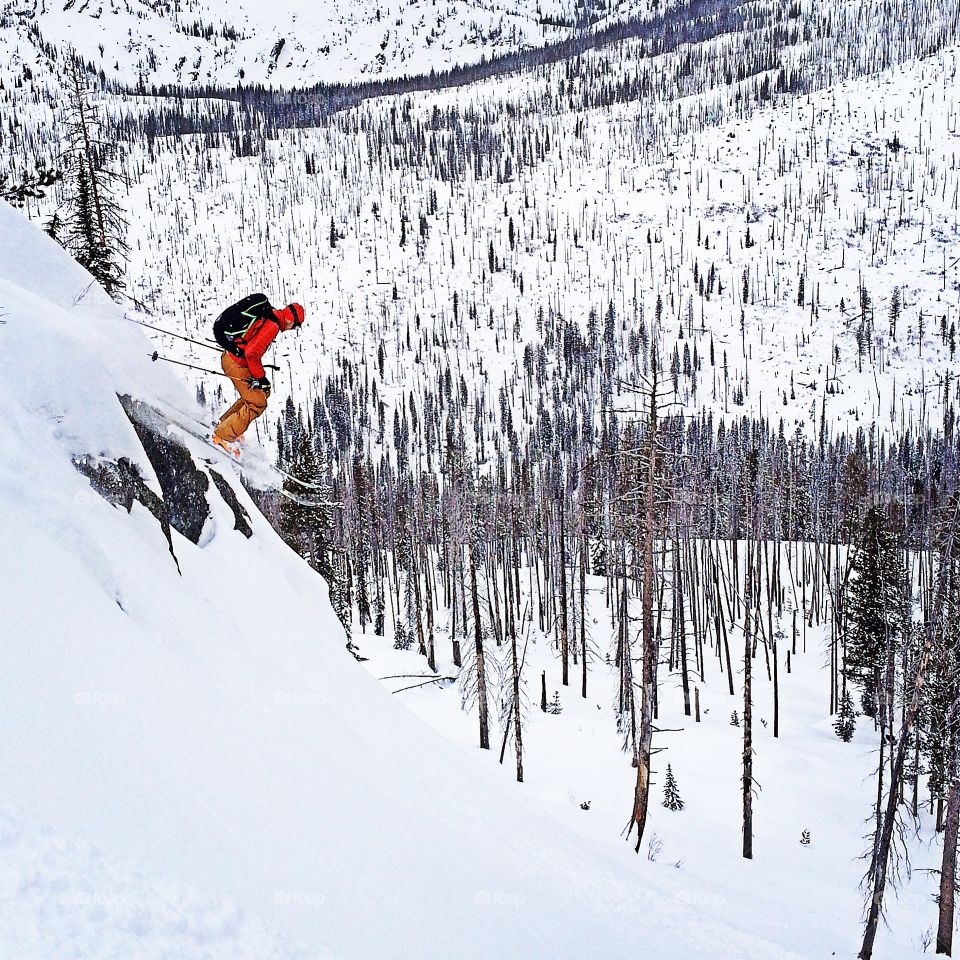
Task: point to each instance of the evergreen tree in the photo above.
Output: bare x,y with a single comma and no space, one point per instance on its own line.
402,640
876,604
671,792
942,690
17,192
846,721
95,226
363,600
599,558
896,305
306,512
379,617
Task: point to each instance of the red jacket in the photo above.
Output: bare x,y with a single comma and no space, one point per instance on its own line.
255,343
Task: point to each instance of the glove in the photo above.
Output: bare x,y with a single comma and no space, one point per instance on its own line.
260,383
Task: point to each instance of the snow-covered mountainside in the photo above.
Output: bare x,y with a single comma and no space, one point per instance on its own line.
192,764
803,255
289,42
627,392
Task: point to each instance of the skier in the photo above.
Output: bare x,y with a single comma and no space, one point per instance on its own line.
245,330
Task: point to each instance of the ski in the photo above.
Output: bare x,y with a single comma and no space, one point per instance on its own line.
300,501
302,483
203,432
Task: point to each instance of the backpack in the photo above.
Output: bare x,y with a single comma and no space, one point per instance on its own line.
235,322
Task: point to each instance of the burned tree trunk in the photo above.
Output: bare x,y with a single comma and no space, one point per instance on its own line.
776,688
948,870
517,729
564,602
884,841
641,798
681,616
480,667
748,725
431,648
583,619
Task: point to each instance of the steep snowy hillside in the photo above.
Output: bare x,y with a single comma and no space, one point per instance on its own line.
290,42
192,765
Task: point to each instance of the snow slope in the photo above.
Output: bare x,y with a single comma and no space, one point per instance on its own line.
289,42
575,766
193,766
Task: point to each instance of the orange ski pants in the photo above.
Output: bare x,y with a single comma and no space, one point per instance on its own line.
250,405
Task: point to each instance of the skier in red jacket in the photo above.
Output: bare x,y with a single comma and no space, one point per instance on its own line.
245,331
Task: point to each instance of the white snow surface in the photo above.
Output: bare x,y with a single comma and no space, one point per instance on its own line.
286,42
191,764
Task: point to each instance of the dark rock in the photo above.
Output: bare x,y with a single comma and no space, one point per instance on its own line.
183,484
120,483
184,505
241,519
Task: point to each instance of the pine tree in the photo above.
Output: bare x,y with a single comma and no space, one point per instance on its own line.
402,639
671,792
875,602
554,706
942,689
598,558
896,305
306,513
363,600
95,226
846,721
734,719
17,192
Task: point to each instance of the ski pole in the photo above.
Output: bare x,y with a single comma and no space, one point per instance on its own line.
199,343
155,356
179,336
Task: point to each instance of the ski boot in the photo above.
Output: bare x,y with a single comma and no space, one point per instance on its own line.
233,449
